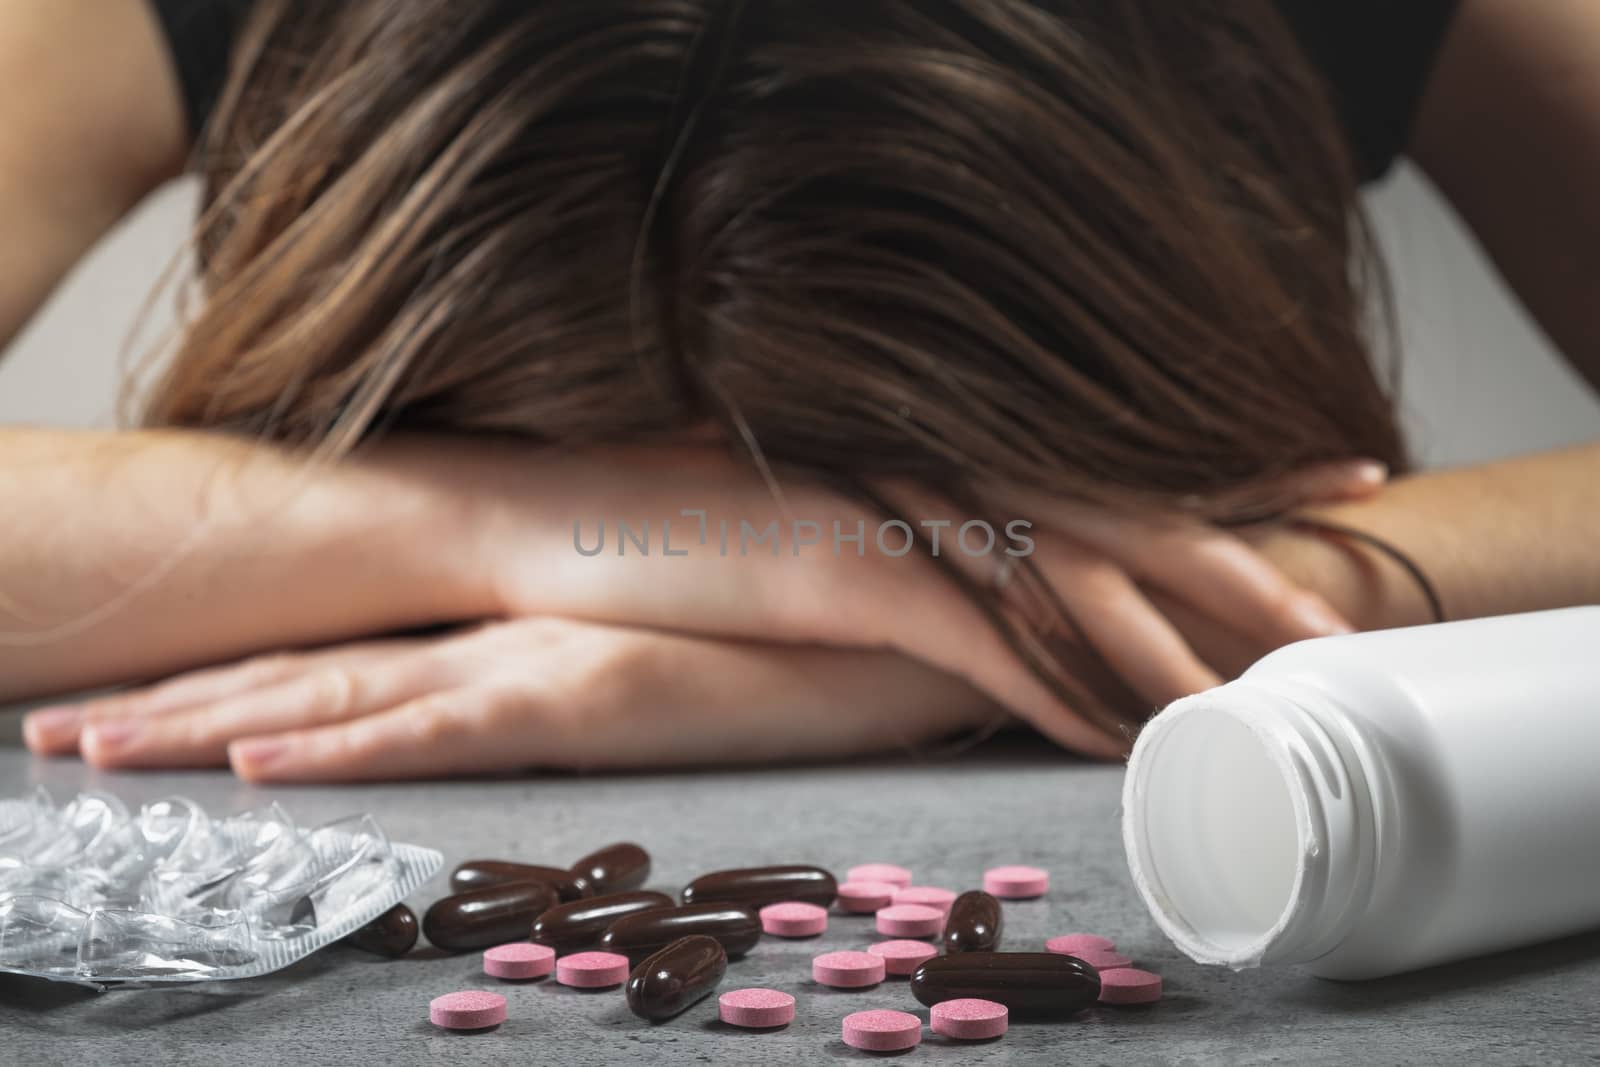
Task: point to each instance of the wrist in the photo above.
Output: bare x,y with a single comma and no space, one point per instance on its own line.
1368,587
414,517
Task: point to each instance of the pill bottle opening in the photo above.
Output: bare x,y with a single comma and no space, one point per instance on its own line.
1213,835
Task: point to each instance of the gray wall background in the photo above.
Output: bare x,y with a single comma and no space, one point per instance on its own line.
1479,379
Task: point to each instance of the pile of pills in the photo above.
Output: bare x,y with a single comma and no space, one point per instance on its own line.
592,926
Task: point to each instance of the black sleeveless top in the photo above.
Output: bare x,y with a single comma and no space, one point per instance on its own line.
1375,56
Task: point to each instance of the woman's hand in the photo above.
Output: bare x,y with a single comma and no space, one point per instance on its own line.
1110,571
1113,570
536,692
513,552
1146,592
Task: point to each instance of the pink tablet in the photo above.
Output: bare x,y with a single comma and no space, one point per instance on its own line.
1072,944
1126,985
848,970
756,1009
1103,961
969,1019
910,920
470,1009
882,1031
903,957
880,872
1016,883
926,895
592,970
865,896
519,959
794,919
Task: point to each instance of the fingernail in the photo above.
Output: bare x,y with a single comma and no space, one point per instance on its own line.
257,753
49,725
1372,471
113,734
1320,619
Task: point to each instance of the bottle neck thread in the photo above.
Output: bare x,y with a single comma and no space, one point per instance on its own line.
1250,824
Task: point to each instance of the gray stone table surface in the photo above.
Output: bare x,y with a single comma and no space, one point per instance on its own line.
1009,802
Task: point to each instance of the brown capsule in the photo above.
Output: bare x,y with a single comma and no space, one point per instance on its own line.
759,886
612,869
973,924
391,934
477,874
580,923
736,928
1039,984
489,916
675,978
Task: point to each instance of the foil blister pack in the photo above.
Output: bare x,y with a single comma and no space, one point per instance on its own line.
94,893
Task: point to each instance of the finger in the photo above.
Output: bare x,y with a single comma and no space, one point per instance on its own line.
1131,635
1355,479
1149,660
1229,578
683,701
1339,480
56,730
446,732
1216,643
981,658
331,691
967,645
1220,574
1336,481
1213,569
866,604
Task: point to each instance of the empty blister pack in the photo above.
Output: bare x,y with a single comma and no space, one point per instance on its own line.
93,893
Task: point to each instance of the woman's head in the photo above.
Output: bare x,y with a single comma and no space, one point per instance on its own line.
1086,247
1098,250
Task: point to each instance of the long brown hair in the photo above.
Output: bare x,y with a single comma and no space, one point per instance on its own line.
1107,251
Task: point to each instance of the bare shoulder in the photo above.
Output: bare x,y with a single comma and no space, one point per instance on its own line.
91,120
1510,68
89,104
1509,129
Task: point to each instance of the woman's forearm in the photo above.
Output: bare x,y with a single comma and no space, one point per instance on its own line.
130,555
1518,535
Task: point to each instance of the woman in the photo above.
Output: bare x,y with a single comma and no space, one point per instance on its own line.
482,279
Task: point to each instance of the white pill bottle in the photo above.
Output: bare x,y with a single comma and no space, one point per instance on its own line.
1371,804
